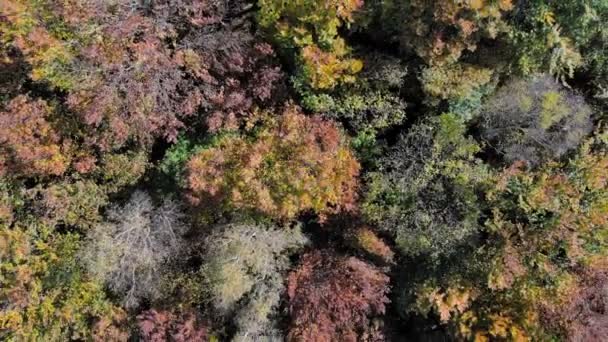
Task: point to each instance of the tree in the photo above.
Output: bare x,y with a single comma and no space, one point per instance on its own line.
74,204
45,295
128,250
425,193
334,298
535,120
369,104
310,27
461,85
134,72
243,265
162,325
366,240
294,163
540,43
29,144
439,31
539,275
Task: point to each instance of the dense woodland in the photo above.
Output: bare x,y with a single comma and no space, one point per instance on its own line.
303,170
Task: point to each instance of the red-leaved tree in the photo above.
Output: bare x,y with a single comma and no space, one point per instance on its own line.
335,298
161,325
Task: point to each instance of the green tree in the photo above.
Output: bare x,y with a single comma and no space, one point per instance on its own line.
536,276
425,193
45,295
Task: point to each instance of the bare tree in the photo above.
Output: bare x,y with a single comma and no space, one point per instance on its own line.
535,120
128,250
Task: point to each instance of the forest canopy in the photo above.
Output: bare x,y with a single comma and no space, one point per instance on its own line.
303,170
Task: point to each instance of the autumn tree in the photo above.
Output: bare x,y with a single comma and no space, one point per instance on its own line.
162,325
234,73
128,250
426,192
309,28
371,104
29,144
45,295
368,241
293,163
333,298
243,268
439,32
535,120
124,80
76,204
538,274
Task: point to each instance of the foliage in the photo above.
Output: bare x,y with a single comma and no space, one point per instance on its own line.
426,191
294,163
243,266
335,298
32,28
262,115
123,79
535,120
540,43
119,170
368,241
72,203
128,250
44,294
570,35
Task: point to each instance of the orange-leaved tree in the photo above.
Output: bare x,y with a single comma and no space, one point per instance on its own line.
293,163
